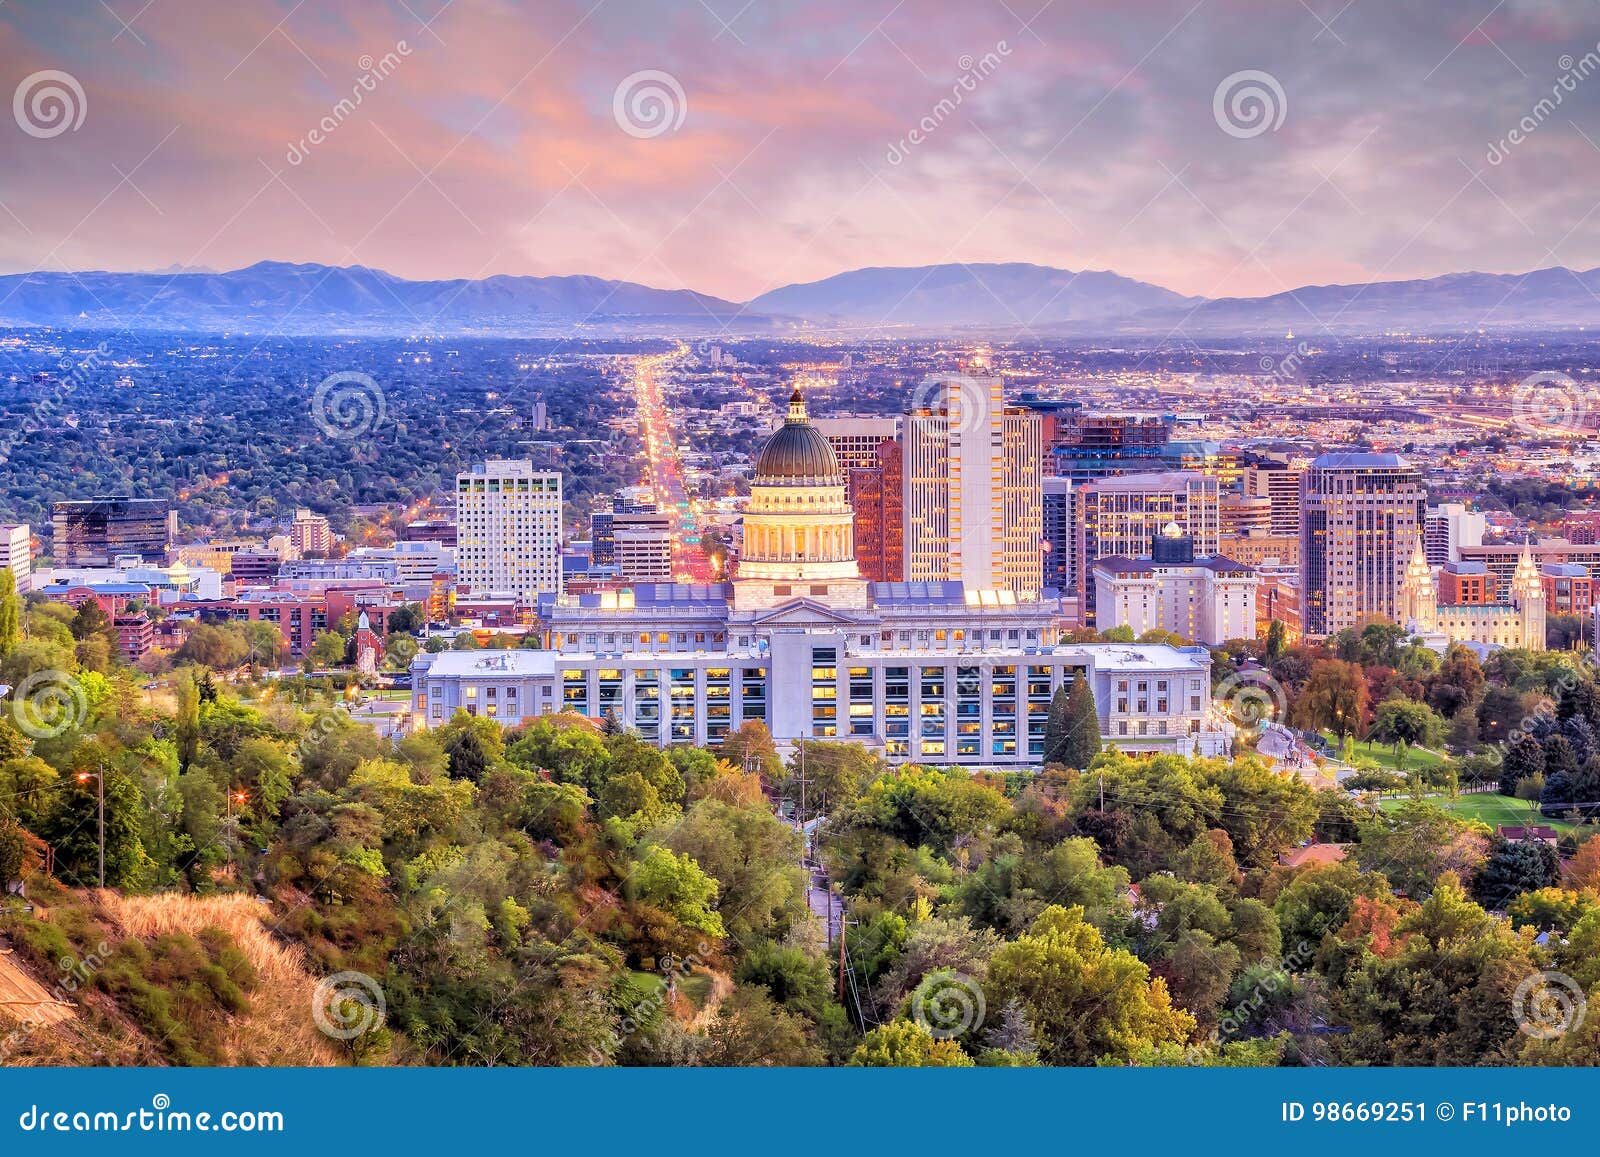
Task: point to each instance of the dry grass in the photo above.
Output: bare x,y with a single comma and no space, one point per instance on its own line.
278,1029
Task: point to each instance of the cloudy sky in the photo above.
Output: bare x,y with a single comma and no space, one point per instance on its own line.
1368,139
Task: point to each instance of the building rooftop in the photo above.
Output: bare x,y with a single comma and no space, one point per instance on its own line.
1354,461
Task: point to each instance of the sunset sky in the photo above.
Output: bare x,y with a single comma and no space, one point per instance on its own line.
1086,138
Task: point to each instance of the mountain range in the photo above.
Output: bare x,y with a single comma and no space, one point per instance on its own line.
1015,298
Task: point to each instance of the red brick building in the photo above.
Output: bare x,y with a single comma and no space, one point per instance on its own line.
877,499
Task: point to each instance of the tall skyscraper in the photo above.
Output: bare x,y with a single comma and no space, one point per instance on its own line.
877,501
973,489
310,533
1058,534
1449,527
1121,515
1278,480
98,531
1362,516
508,518
16,553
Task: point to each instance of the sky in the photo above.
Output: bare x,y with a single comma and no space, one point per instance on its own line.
1216,147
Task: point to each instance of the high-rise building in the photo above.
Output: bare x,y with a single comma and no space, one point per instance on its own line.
642,547
509,524
1449,527
877,498
855,441
98,531
973,489
1277,480
16,553
1057,523
1120,515
1090,446
1205,458
310,533
1361,516
1244,514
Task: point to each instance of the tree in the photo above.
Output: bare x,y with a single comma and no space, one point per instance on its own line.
828,774
905,1044
678,886
1334,699
72,829
1455,685
1084,1002
1515,867
187,720
10,613
328,649
1524,758
220,646
264,642
1277,641
1405,723
755,859
1417,843
1072,731
751,748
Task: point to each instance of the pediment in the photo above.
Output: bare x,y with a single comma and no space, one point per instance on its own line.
805,612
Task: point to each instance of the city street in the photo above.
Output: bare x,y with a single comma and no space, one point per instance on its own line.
664,469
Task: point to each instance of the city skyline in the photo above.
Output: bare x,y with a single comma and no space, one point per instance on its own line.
790,143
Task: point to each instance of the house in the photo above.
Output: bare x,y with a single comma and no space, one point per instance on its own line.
1538,832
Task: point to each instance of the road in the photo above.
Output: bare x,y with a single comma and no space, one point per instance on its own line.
664,468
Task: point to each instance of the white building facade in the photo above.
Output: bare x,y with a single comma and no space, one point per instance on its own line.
509,529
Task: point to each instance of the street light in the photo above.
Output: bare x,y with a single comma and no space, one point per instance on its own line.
99,778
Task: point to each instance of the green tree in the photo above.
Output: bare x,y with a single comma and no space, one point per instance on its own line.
328,649
1084,1002
678,886
1072,729
1405,723
904,1044
10,613
1334,698
72,828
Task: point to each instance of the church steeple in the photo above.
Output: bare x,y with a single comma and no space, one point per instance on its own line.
1419,595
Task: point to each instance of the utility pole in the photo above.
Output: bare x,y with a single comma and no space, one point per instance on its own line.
100,781
1102,793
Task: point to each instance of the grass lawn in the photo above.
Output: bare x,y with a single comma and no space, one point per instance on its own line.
1491,808
1383,755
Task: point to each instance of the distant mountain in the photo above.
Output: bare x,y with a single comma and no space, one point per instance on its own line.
1555,298
930,296
1005,299
280,297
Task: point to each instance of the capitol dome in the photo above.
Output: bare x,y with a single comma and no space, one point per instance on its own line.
797,452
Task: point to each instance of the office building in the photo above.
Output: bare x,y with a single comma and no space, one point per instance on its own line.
973,490
1569,589
1202,600
310,535
508,529
1278,481
642,547
1057,527
1449,527
99,531
855,441
16,553
1120,515
1088,446
1239,515
877,500
1361,515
